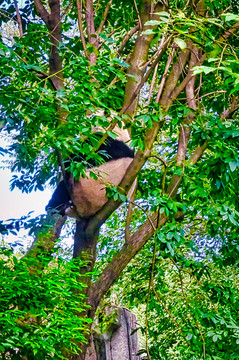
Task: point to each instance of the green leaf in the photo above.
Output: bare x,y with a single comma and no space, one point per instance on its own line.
147,32
189,336
181,43
233,166
152,23
203,69
163,13
230,17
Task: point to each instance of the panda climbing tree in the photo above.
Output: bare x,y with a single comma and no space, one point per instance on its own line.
86,196
82,195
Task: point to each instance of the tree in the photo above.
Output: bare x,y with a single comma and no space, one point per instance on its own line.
169,71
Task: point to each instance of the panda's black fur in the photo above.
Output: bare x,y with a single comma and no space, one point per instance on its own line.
110,150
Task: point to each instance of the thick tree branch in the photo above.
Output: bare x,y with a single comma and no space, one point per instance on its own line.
128,179
136,166
128,251
53,23
55,62
43,13
133,246
198,152
119,262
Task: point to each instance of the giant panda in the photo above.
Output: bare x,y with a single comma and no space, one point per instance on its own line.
88,195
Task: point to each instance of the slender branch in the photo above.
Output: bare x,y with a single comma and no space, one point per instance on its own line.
159,158
191,101
168,312
126,39
137,11
130,100
147,215
155,55
165,170
160,90
151,277
174,75
152,84
212,93
229,32
79,17
19,20
104,17
129,214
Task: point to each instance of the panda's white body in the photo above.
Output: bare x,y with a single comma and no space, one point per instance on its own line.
89,195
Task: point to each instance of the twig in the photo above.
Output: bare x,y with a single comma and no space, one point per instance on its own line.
145,78
152,83
104,17
148,217
19,20
137,10
168,312
212,93
129,214
79,16
160,90
165,169
126,39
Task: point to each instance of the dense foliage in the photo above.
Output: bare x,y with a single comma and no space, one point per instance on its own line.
39,314
169,73
186,304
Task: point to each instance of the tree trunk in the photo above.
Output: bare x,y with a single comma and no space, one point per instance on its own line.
116,342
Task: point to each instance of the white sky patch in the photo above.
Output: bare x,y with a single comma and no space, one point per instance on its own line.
15,204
